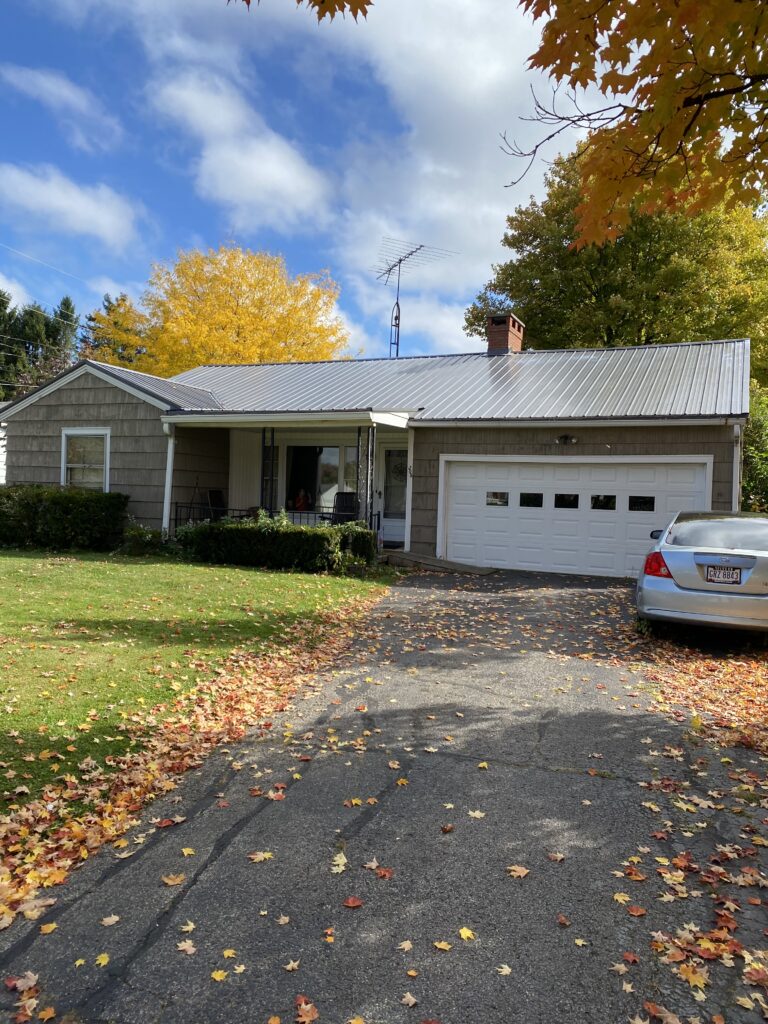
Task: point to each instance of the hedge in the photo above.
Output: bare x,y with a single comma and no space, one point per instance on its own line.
61,518
276,544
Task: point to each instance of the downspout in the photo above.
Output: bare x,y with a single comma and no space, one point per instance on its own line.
409,490
169,431
738,444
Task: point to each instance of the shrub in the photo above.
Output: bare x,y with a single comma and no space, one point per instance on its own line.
267,543
141,540
359,541
61,518
754,487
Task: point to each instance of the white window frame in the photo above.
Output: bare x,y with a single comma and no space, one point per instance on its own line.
105,432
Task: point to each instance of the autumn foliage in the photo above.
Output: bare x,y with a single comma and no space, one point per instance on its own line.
228,305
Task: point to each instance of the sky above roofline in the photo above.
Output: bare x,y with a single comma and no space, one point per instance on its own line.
135,129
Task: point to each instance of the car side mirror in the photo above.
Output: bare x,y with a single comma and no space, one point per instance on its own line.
655,534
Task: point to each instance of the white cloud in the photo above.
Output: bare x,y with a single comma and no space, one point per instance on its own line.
44,197
83,119
19,294
258,176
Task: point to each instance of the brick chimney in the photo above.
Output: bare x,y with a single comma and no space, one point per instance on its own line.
504,333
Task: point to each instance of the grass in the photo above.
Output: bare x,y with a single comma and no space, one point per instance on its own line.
86,640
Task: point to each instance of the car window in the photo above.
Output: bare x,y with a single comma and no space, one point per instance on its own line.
720,533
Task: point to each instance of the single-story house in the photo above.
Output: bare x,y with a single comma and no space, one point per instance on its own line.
531,459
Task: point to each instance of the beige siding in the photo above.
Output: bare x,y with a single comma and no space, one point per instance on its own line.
431,442
137,449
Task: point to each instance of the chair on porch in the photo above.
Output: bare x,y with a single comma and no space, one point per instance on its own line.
346,508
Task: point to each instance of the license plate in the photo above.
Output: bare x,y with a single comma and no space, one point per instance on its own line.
723,574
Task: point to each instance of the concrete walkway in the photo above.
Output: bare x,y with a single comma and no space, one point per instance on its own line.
480,723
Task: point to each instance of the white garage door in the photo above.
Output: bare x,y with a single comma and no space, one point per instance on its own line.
580,517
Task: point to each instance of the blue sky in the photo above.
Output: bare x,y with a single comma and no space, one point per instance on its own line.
133,128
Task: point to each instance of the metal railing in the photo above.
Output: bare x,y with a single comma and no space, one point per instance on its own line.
186,514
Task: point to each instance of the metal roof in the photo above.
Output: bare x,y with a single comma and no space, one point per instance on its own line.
177,394
686,380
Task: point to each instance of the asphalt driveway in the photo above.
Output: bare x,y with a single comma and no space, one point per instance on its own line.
479,724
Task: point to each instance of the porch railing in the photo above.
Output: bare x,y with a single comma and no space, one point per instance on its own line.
190,513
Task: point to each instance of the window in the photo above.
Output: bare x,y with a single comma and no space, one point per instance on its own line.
85,458
314,475
604,502
531,500
566,501
642,503
497,498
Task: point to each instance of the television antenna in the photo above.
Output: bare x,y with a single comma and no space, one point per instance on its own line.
394,255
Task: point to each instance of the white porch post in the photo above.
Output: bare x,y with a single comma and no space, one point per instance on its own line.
170,432
409,490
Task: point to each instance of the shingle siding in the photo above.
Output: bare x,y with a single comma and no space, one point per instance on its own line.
432,442
137,447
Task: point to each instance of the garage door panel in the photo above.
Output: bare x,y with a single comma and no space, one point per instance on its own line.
486,523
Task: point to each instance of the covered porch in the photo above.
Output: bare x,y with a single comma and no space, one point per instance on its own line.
353,466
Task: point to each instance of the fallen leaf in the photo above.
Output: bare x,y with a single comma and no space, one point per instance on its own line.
283,919
229,954
339,863
47,1014
504,969
188,851
476,814
352,902
186,946
483,765
219,975
467,934
406,946
109,921
636,911
409,1000
517,871
292,965
188,927
46,929
102,959
80,962
580,942
442,945
622,897
556,857
563,921
238,969
174,879
260,855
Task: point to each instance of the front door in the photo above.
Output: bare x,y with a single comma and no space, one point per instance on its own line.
393,474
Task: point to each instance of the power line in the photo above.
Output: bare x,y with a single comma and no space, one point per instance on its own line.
42,263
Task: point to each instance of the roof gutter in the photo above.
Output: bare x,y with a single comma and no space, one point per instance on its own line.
608,421
352,418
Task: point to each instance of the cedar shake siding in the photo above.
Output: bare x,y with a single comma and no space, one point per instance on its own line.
616,441
201,464
137,445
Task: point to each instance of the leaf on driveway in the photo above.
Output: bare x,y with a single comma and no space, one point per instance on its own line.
352,902
188,927
467,934
102,959
110,920
174,879
476,814
187,946
442,945
406,946
46,929
504,969
292,965
219,975
260,855
517,871
409,999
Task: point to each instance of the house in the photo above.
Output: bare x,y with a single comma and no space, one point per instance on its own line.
2,442
542,460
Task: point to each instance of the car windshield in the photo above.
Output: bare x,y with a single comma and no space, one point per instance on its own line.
748,534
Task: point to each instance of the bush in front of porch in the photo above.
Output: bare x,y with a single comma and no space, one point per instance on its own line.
276,543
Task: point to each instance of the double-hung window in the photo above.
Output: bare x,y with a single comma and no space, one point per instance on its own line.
85,458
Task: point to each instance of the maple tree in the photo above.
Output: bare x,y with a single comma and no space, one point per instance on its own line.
330,8
681,122
229,305
668,278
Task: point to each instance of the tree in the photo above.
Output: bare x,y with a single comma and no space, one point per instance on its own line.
229,305
667,278
754,487
684,122
35,344
330,8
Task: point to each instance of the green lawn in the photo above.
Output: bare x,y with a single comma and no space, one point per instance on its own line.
86,639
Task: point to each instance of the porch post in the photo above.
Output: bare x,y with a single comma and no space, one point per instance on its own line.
263,465
169,430
370,476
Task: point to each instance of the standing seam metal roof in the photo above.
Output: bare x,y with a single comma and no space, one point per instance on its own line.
696,379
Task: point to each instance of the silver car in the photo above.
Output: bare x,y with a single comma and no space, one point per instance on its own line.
708,568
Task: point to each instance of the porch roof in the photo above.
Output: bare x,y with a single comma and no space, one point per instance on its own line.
294,417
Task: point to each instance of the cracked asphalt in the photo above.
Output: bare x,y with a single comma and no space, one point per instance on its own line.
537,677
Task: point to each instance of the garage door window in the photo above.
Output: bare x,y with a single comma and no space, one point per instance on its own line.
566,501
531,500
497,498
604,502
642,503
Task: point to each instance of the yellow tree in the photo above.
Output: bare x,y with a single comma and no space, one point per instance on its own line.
228,305
683,122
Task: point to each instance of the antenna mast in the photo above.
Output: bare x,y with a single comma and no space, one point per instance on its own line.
393,255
